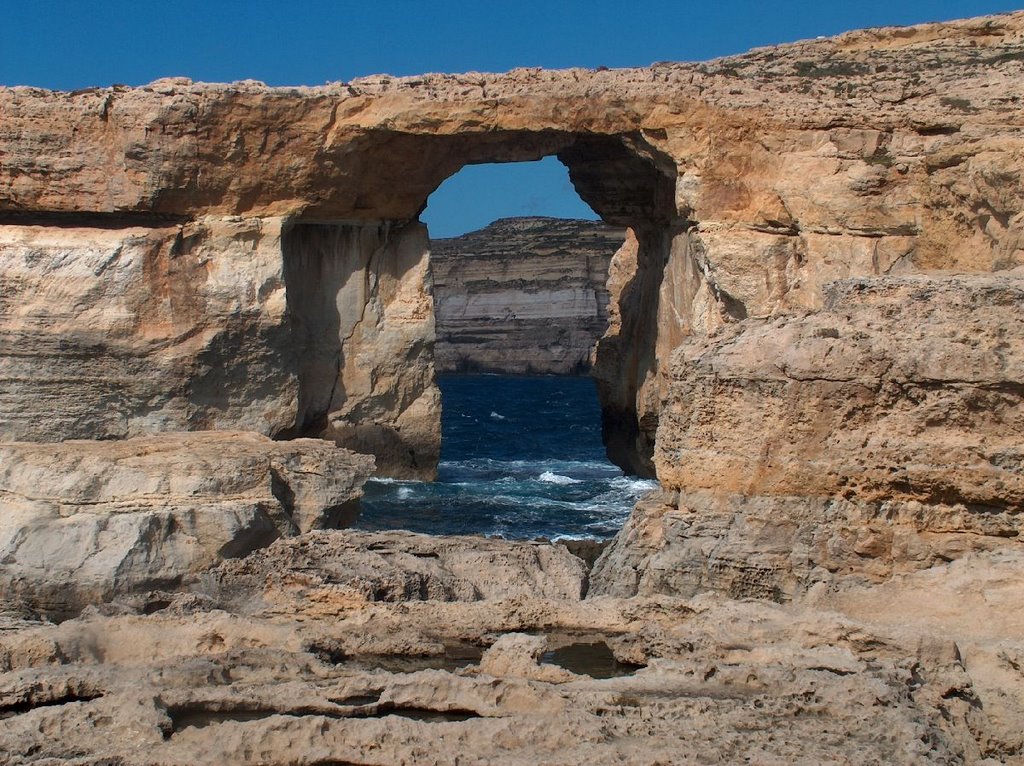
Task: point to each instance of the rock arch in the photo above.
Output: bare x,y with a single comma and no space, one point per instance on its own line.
160,245
337,270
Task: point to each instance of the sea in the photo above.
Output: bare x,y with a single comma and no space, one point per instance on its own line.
521,458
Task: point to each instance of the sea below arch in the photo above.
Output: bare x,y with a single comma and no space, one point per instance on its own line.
521,458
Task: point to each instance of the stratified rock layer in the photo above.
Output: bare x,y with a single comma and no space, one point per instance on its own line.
82,522
882,434
117,330
313,675
403,566
521,296
747,183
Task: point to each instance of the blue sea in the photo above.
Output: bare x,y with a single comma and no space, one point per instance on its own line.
521,458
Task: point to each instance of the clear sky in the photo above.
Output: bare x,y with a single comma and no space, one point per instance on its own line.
69,44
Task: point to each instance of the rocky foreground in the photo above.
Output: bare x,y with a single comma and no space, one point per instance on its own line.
522,296
796,603
386,649
216,323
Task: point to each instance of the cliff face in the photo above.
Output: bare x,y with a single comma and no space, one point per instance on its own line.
174,253
881,435
120,328
522,295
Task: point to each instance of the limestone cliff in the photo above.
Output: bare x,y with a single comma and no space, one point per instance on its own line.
173,253
523,295
114,328
881,435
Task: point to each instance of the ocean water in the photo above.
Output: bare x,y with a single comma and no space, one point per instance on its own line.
521,457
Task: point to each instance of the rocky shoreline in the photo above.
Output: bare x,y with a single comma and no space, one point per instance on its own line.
362,648
217,321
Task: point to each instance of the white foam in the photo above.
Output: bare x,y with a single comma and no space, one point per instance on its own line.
550,477
634,485
496,416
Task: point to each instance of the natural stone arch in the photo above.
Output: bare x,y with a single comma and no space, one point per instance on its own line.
141,229
616,175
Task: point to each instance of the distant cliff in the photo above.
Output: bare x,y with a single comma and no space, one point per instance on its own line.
522,295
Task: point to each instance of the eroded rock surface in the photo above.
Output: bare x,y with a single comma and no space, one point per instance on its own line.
403,566
119,329
293,679
831,572
83,521
383,648
880,435
522,295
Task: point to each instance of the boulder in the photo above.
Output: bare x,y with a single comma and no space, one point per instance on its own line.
84,521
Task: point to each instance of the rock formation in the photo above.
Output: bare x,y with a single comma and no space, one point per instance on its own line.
311,672
748,183
521,296
112,328
403,566
815,342
880,435
83,521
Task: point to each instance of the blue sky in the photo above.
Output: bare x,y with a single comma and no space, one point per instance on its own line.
65,44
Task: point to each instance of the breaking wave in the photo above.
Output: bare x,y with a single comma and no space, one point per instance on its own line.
551,477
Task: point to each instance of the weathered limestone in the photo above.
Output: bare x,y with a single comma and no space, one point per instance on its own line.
522,295
116,330
209,257
297,679
403,566
84,521
121,330
518,655
748,183
362,330
882,434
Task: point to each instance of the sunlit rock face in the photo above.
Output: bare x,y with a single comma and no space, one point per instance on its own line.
522,296
160,244
876,437
86,521
117,330
362,326
814,341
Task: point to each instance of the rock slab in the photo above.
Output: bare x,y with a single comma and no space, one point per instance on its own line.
365,567
83,521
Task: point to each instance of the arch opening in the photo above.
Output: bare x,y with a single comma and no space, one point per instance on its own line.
522,299
366,278
522,289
